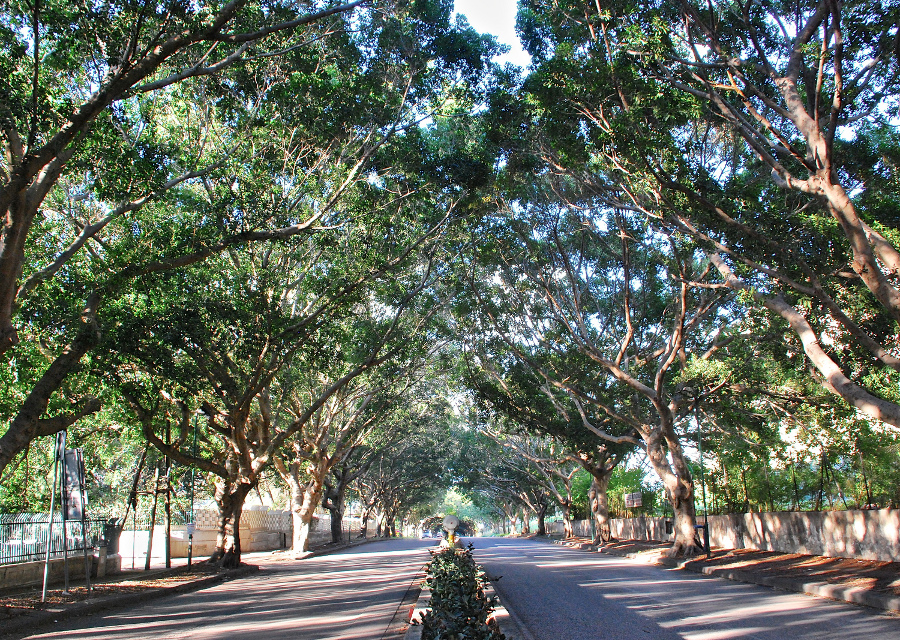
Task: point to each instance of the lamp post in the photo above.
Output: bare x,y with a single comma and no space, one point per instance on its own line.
191,525
450,523
703,486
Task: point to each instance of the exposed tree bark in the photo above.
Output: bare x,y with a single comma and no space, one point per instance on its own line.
600,463
541,514
568,531
334,503
364,523
306,487
526,522
369,495
230,504
336,491
600,508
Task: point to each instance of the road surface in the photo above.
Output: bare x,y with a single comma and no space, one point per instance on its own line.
555,592
559,593
348,595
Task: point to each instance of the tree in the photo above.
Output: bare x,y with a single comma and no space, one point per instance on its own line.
329,437
356,462
274,360
527,404
324,100
743,125
552,468
78,78
410,468
498,480
607,311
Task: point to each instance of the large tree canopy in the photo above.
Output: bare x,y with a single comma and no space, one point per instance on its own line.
333,238
190,132
745,125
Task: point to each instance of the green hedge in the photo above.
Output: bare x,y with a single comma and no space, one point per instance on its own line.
459,608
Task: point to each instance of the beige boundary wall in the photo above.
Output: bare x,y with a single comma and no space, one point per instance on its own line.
867,535
32,573
261,530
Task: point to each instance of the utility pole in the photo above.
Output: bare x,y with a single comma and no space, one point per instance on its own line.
152,518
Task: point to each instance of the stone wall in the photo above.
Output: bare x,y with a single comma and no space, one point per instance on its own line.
867,535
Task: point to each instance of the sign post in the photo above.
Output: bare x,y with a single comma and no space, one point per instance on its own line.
58,446
189,528
75,498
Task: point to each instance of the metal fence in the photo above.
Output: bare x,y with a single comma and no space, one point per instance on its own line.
23,536
141,521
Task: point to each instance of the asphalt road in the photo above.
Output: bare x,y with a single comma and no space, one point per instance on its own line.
348,595
559,593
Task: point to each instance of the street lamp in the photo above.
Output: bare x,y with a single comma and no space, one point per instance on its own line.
703,486
191,525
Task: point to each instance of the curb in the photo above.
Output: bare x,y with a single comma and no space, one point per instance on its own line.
851,595
285,555
329,550
414,631
28,622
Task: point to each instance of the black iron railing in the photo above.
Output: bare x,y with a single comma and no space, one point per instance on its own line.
23,537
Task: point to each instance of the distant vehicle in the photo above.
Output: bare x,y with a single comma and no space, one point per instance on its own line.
427,534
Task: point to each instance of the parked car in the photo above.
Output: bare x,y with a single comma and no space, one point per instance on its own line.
427,534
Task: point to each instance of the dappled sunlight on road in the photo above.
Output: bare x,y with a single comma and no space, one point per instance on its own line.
347,596
560,592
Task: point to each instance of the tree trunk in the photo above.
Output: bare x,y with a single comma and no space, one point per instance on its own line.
599,497
305,497
230,504
676,478
307,484
389,528
335,504
568,531
303,509
541,526
364,524
337,521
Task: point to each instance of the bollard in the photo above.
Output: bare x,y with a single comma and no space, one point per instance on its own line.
705,529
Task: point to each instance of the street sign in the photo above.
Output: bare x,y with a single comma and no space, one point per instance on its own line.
634,500
74,495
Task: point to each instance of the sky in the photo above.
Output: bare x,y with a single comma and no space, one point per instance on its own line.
497,17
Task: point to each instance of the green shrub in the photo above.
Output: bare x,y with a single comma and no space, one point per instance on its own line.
459,608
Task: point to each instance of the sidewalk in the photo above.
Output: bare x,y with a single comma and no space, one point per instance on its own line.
865,582
21,609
